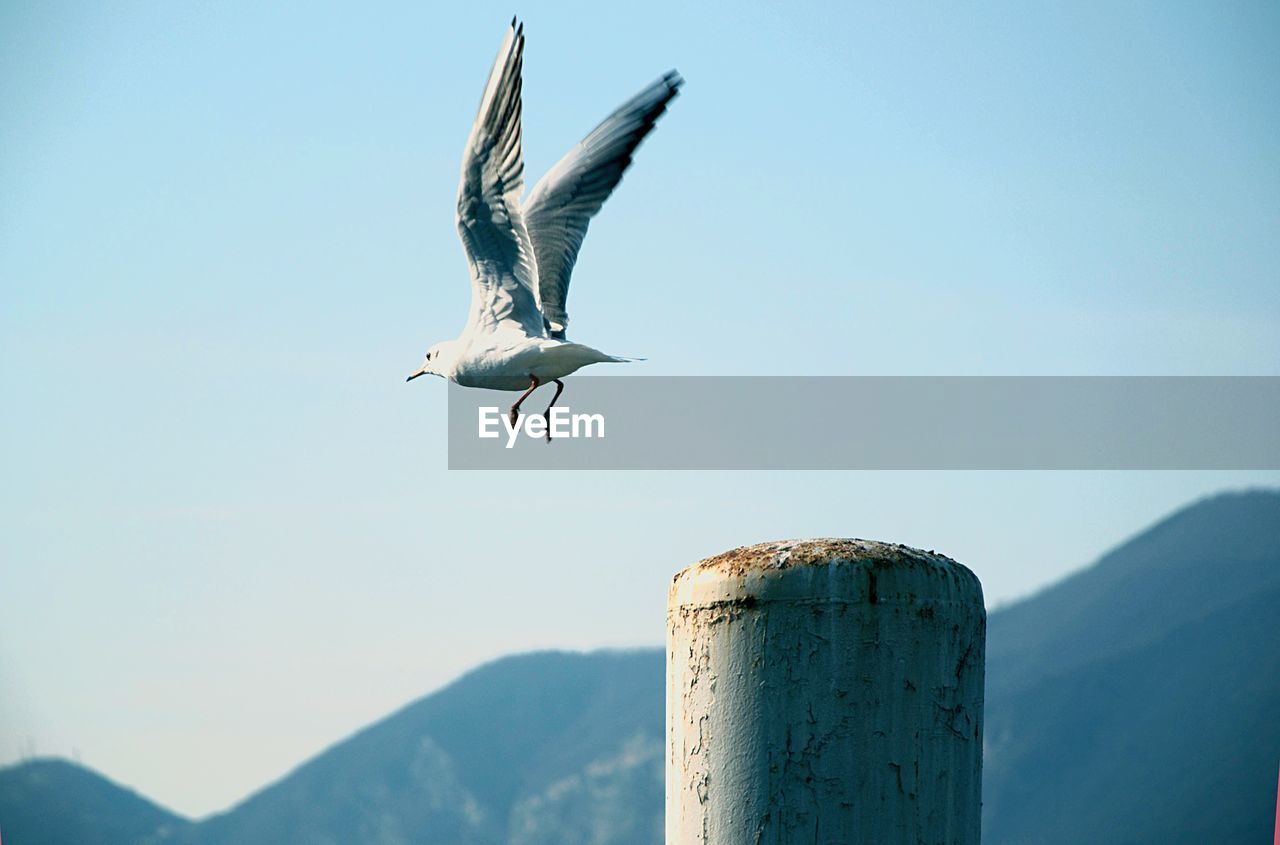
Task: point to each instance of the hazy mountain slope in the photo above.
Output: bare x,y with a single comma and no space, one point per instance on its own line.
517,751
1211,553
1174,741
1139,700
56,802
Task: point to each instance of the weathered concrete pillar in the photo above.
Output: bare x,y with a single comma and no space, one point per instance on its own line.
825,692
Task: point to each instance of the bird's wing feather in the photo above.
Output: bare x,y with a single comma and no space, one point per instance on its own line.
504,281
561,205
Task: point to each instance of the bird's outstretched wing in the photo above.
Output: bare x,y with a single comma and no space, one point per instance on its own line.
563,202
504,280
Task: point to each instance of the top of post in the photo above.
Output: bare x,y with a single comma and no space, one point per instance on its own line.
785,554
841,569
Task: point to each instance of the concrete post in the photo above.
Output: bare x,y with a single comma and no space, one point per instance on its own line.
825,692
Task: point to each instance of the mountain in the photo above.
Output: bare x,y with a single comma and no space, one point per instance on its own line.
531,750
56,802
1136,702
1204,557
1139,700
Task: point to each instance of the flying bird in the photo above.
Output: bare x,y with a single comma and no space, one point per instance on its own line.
522,254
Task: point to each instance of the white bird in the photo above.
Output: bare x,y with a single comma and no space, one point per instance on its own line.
522,255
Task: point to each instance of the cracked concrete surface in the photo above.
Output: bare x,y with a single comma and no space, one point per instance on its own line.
825,692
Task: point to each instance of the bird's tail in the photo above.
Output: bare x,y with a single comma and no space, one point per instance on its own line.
581,354
597,357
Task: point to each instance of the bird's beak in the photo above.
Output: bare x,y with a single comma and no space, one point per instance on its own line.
421,372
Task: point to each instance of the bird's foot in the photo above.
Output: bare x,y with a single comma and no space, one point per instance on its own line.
513,415
546,419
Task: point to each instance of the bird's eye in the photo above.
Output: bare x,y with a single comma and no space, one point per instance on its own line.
428,356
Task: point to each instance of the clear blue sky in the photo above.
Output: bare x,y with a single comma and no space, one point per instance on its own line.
226,236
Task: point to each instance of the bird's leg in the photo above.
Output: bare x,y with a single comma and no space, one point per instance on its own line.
515,409
546,415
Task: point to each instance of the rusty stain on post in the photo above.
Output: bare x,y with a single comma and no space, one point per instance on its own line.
826,692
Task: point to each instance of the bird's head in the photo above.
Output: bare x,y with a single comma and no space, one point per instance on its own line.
439,358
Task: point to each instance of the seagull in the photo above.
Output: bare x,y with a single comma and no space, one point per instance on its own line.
521,254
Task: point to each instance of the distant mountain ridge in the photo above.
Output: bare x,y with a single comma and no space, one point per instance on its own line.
511,752
57,802
1209,554
1137,701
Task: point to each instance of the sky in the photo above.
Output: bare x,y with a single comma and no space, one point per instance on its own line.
227,534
